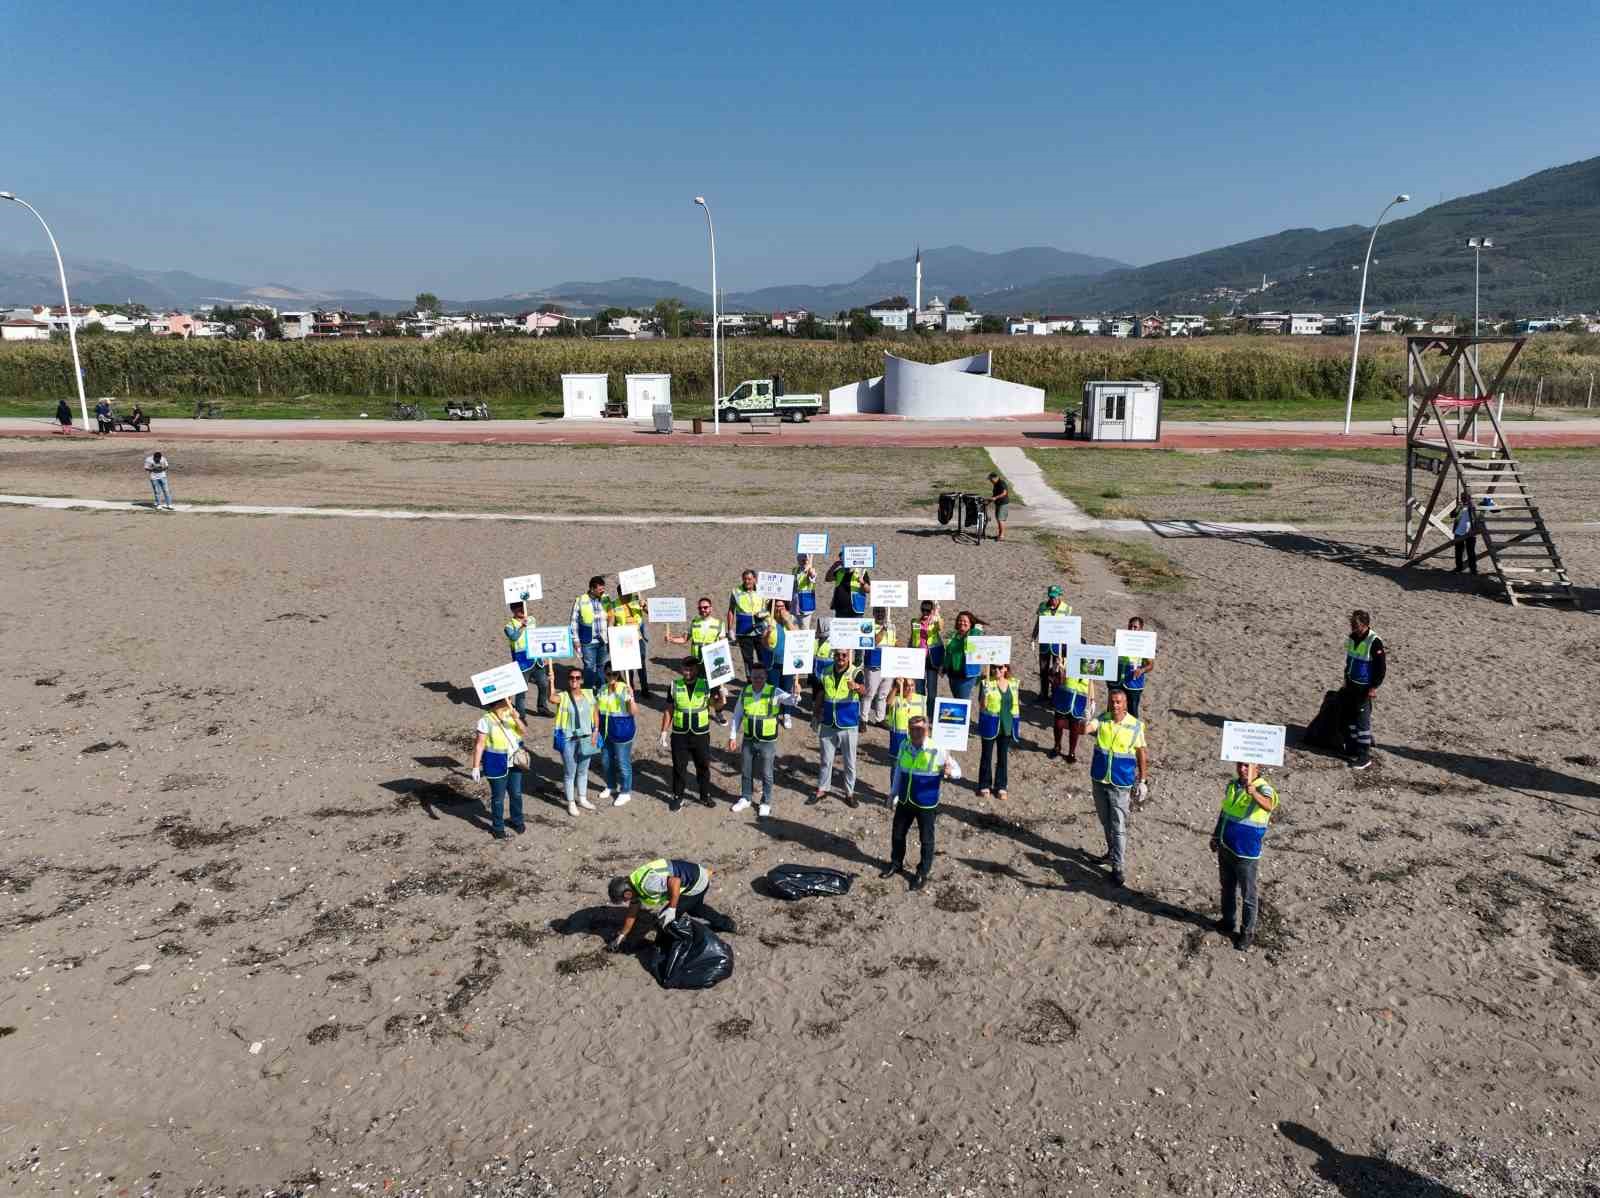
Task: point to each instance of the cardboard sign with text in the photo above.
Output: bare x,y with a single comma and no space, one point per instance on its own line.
667,611
1139,645
951,724
859,557
936,586
989,650
1092,661
905,663
850,633
799,647
889,594
626,652
523,588
553,642
631,582
770,584
814,543
502,682
718,662
1260,743
1060,630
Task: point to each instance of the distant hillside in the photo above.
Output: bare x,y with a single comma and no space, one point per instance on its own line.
1546,228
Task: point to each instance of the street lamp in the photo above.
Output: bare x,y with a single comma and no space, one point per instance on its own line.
1361,308
716,363
1477,245
66,300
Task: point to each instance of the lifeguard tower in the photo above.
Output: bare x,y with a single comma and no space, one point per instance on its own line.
1457,439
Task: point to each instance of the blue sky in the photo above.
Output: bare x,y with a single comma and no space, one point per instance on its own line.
479,150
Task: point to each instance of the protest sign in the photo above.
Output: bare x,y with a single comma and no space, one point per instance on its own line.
625,648
799,648
889,594
936,586
989,650
1060,630
502,682
950,724
631,582
905,663
1092,661
717,658
859,557
814,543
1260,743
523,588
552,642
667,611
770,584
849,633
1137,644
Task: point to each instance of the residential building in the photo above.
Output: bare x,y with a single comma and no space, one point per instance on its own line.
1305,324
1186,326
1089,324
296,325
892,318
24,328
961,322
1150,326
631,325
536,324
1120,326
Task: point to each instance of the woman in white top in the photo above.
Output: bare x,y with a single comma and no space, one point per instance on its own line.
500,734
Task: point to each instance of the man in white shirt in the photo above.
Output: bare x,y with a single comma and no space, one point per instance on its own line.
755,721
155,468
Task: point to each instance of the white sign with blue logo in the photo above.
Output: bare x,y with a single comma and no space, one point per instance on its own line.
1258,743
502,682
523,588
850,633
950,727
799,647
814,543
772,584
859,557
554,641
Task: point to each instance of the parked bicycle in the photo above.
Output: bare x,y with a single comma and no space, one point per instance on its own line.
407,411
969,512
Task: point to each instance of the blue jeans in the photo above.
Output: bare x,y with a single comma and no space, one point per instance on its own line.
616,760
499,788
961,686
163,495
575,769
594,664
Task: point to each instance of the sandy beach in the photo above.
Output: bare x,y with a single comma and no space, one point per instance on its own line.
254,935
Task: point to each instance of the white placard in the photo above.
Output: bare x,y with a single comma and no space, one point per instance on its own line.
936,586
717,659
625,650
523,588
850,633
889,594
1136,643
1092,661
502,682
667,611
859,557
949,728
552,642
814,543
989,650
905,663
631,582
1060,630
799,650
1260,743
771,584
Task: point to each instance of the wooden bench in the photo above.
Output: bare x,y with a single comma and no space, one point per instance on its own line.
765,424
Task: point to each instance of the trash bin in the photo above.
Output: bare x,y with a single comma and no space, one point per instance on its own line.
698,426
1070,424
663,417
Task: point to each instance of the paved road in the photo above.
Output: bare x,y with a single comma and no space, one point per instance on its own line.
827,430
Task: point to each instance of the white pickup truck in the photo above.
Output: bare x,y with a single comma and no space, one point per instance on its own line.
766,397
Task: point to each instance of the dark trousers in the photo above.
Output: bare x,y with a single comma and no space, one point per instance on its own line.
539,683
929,686
995,752
1356,709
749,652
687,745
1467,553
905,814
1134,696
1238,877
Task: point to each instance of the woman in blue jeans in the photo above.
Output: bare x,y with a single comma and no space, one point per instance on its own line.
619,719
577,737
961,673
501,733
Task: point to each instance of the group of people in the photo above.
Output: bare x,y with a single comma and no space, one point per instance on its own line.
596,714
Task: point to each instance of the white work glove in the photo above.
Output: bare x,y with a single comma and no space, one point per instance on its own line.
666,741
477,774
955,769
666,917
1142,792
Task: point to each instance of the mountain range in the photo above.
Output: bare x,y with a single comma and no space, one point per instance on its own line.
1547,258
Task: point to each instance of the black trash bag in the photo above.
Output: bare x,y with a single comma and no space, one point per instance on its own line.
692,956
947,506
800,881
973,510
1327,730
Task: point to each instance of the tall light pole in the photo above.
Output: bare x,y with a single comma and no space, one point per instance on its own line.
66,300
716,324
1477,245
1361,309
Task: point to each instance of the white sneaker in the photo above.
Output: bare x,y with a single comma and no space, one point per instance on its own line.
622,800
764,810
788,721
586,804
572,808
741,805
605,794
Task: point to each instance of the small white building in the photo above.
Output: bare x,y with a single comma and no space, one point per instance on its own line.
583,396
961,322
1305,324
297,325
892,318
542,324
1120,410
645,393
24,328
631,325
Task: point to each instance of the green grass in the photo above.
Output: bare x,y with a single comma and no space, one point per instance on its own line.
1140,567
1306,407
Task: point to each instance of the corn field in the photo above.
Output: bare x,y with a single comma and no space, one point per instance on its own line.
1212,371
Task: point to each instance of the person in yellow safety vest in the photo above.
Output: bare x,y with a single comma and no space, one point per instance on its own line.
919,769
1248,804
904,703
1117,773
688,724
838,717
705,629
1071,701
1366,664
666,888
619,723
500,734
927,632
877,693
1132,672
589,624
999,723
629,609
747,619
772,653
755,727
850,587
805,589
821,661
538,671
1053,605
578,739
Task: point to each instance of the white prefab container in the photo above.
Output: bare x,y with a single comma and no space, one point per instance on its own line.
646,392
1121,410
583,396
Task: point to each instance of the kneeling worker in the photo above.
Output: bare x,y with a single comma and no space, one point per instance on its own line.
1247,806
755,720
919,770
666,889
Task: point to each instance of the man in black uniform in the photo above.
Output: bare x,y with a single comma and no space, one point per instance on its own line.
1365,665
688,720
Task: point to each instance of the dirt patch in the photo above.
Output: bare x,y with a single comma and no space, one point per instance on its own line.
737,1028
955,900
349,812
523,933
104,746
181,834
1114,938
1049,1024
588,962
323,1033
822,1029
1588,760
477,884
219,873
926,966
472,984
184,781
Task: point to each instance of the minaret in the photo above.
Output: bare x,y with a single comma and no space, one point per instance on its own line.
918,307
